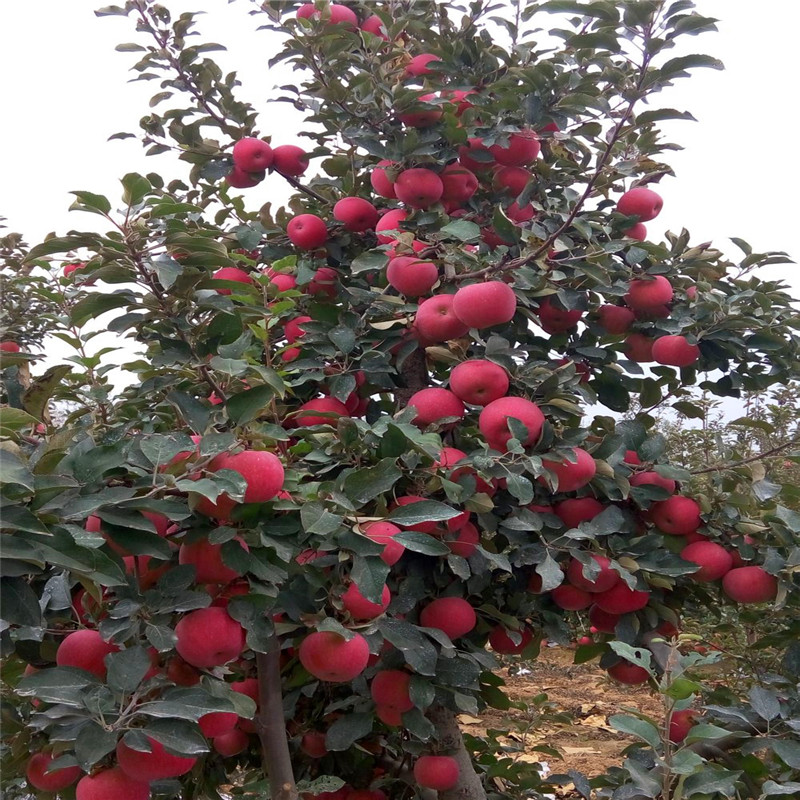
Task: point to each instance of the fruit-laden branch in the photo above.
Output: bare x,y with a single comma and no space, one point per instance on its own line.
271,724
749,460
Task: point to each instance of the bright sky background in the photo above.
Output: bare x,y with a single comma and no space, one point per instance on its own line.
65,92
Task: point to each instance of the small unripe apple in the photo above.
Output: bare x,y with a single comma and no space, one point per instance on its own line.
436,772
418,188
713,559
356,214
493,421
640,202
677,515
288,159
484,305
479,382
252,155
434,404
411,276
675,351
307,231
209,637
111,783
330,657
436,320
452,615
630,674
418,66
38,776
750,585
615,319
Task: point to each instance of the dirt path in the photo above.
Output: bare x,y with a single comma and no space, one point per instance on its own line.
580,698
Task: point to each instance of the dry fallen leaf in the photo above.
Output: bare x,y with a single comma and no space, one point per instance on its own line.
466,719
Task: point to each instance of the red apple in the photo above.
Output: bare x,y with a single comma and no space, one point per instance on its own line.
323,283
423,116
462,541
620,599
330,657
434,404
252,155
153,766
209,637
479,382
390,221
313,744
379,178
422,527
436,772
362,609
484,305
418,66
638,347
217,723
231,743
602,621
375,26
459,183
645,294
244,180
640,202
390,687
680,724
356,214
231,274
181,673
411,276
554,319
38,776
501,642
85,649
677,515
475,155
615,319
713,559
675,351
512,180
452,615
605,579
570,597
493,421
523,148
638,232
288,159
262,471
321,411
436,320
207,561
307,231
9,347
520,214
750,585
652,479
572,474
111,783
418,188
383,532
630,674
576,510
293,329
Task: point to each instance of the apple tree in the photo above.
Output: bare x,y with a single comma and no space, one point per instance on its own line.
370,440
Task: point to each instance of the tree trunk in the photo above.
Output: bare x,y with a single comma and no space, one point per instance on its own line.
271,724
451,743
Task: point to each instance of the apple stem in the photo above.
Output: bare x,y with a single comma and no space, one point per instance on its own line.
271,724
451,742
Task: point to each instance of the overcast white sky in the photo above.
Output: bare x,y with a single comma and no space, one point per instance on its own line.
65,92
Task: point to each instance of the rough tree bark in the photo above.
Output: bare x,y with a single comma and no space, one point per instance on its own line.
271,724
451,743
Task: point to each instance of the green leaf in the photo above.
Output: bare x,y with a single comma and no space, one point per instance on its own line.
703,731
681,688
640,728
678,66
417,649
347,730
369,575
788,750
37,395
19,604
422,543
13,420
178,735
711,779
249,404
636,655
764,702
368,261
136,188
92,743
344,338
195,414
422,511
14,471
190,704
127,668
462,230
93,203
96,304
57,685
366,484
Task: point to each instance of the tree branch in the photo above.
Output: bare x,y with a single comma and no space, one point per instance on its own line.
271,724
750,460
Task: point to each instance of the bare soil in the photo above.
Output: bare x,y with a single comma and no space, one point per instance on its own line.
574,719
